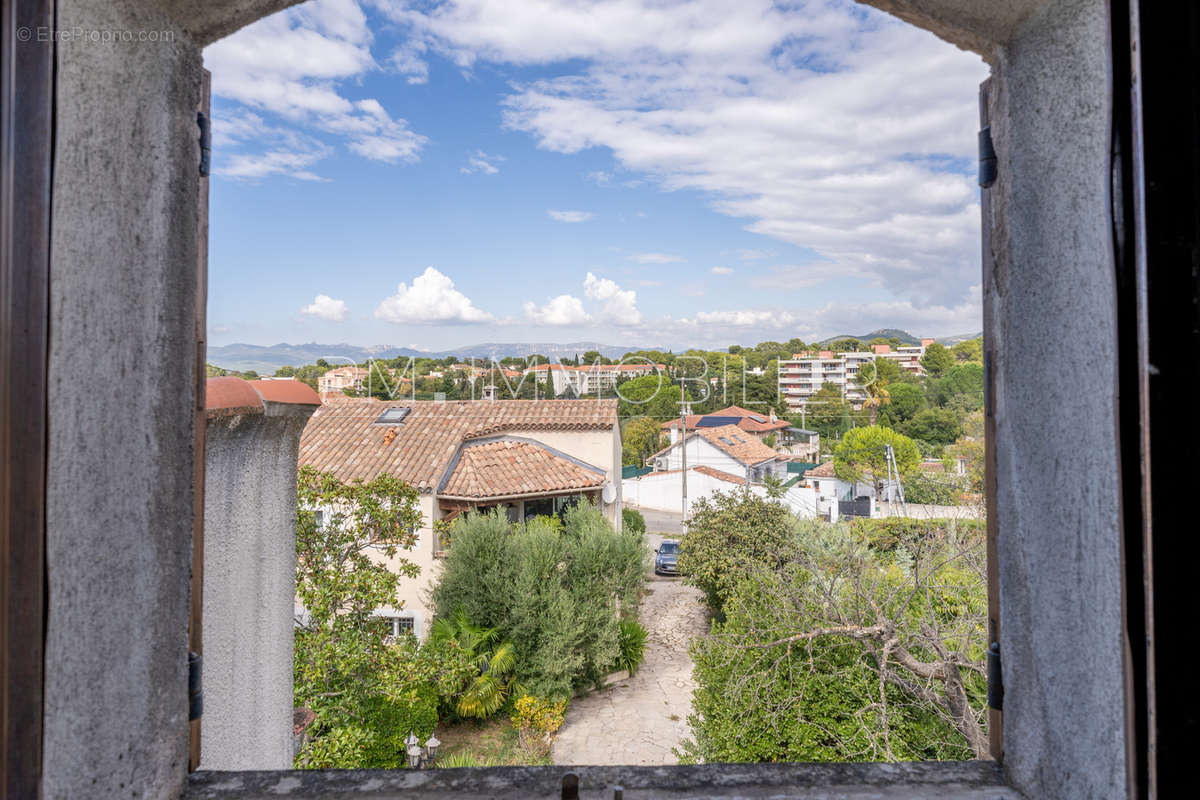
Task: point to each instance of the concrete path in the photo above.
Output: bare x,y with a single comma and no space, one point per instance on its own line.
662,521
640,720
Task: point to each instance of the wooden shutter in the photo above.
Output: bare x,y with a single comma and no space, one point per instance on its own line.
195,637
26,160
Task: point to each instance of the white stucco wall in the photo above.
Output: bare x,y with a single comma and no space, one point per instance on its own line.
249,583
662,491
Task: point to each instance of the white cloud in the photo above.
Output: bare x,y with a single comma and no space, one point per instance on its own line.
431,299
825,124
619,305
291,64
279,151
747,318
325,307
562,310
656,258
722,270
481,162
754,254
571,216
600,177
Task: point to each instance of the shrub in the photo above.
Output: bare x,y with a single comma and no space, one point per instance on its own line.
849,653
554,591
536,719
943,491
632,641
886,534
729,534
632,522
464,758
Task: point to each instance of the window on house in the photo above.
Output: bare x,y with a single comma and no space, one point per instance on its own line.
392,416
398,626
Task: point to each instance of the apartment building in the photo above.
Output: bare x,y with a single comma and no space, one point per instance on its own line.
592,378
805,373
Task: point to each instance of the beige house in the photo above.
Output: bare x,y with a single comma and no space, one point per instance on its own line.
525,457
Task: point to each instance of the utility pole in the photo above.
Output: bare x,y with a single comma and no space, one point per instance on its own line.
683,442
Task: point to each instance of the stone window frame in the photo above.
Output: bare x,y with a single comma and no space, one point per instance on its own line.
971,25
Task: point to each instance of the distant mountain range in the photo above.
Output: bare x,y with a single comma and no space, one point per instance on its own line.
882,333
904,336
266,359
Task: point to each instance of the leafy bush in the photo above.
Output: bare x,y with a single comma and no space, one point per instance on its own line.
848,652
886,534
729,534
536,719
555,591
464,758
632,521
632,641
942,490
494,660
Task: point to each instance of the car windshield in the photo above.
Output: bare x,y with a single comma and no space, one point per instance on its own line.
669,547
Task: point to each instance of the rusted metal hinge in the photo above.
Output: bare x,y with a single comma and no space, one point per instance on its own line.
205,143
995,689
987,158
195,691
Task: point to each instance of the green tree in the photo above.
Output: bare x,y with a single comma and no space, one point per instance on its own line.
960,381
363,690
494,660
937,359
728,535
938,426
906,400
650,396
873,385
861,455
970,350
845,652
641,437
549,587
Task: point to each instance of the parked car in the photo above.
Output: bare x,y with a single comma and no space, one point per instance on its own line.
665,558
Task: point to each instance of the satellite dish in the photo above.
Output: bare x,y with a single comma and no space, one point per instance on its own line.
609,493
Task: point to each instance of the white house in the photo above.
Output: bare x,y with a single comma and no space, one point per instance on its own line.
524,457
726,448
663,491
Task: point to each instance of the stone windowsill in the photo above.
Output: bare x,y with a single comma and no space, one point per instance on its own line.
957,780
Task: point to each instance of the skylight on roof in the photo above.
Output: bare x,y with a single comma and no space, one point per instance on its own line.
757,418
393,416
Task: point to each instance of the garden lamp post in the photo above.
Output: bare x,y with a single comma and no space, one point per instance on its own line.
420,757
431,748
413,748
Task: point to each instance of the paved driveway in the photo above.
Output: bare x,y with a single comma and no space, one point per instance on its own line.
662,521
640,720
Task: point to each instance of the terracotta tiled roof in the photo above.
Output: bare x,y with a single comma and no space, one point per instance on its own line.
732,439
345,439
823,471
507,467
746,420
720,474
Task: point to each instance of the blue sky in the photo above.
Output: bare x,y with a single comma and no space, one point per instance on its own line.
650,173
